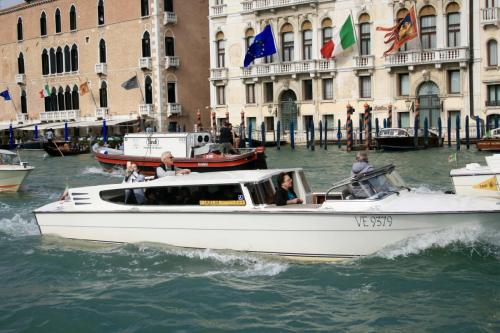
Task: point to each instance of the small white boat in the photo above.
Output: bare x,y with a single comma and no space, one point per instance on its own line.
235,210
478,180
12,171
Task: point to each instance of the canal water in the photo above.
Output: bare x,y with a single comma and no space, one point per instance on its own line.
441,282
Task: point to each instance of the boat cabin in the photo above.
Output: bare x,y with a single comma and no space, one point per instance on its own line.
8,157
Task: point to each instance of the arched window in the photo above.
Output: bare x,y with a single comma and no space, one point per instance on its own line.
103,95
148,90
326,29
249,36
144,7
146,45
307,40
67,98
20,63
59,60
490,3
102,51
168,5
453,24
72,18
428,27
221,49
169,46
67,59
100,12
57,18
364,35
74,58
60,99
24,103
48,106
75,99
53,99
45,63
287,42
52,56
43,24
492,53
19,29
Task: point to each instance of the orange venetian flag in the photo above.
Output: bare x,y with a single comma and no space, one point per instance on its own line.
84,88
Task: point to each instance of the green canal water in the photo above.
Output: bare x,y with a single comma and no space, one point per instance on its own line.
442,282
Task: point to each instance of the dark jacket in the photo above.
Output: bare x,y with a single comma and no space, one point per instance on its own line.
226,135
281,196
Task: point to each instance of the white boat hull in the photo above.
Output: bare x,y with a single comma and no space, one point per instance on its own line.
294,233
12,176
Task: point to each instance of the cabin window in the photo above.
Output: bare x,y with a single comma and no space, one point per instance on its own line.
189,195
261,193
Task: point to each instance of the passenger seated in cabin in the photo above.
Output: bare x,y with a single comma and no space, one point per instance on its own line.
284,193
359,167
167,167
133,175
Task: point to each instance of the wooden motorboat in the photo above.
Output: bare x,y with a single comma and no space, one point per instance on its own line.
12,171
62,148
404,139
235,210
490,143
193,151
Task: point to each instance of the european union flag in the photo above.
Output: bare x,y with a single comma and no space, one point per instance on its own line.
5,94
263,45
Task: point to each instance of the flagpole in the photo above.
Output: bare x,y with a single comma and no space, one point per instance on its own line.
355,32
91,93
142,95
275,46
13,104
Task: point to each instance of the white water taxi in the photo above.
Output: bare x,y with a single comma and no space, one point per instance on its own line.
235,210
12,171
478,180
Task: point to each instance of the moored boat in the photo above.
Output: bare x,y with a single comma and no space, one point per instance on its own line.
193,151
235,210
404,139
478,180
490,143
12,171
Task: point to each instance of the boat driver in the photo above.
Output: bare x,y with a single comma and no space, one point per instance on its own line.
355,190
167,167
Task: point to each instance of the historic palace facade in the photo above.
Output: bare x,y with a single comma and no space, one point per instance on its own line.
451,69
50,48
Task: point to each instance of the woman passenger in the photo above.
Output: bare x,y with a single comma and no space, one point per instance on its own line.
284,193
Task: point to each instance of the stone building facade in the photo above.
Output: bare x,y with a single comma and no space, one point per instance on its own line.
298,84
62,44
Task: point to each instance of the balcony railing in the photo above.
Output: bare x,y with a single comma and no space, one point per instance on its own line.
219,10
60,115
22,117
171,62
492,103
364,62
253,5
169,18
490,15
289,68
218,74
20,79
174,109
145,63
435,56
102,113
101,68
146,110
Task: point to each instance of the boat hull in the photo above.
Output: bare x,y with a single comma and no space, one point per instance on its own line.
292,233
56,149
12,178
406,143
488,144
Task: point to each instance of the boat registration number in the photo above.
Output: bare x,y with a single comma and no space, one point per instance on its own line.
374,221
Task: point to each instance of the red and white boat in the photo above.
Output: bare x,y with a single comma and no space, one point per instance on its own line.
195,151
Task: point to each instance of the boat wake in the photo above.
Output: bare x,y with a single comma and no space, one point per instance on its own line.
18,226
98,171
475,240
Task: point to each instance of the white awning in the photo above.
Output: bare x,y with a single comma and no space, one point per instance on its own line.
14,126
73,124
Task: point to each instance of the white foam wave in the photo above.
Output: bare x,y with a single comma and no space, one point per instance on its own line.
423,189
100,171
468,235
19,226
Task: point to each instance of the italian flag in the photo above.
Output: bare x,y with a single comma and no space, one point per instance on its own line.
344,39
45,92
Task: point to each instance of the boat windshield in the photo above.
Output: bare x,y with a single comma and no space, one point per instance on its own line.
375,184
9,159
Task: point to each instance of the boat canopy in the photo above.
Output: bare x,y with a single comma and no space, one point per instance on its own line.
6,152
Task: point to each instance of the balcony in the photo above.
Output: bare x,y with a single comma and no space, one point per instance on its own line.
101,69
146,63
174,109
365,62
490,16
292,68
20,79
217,74
60,115
492,103
219,10
21,118
169,18
146,110
171,62
435,57
102,113
272,5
